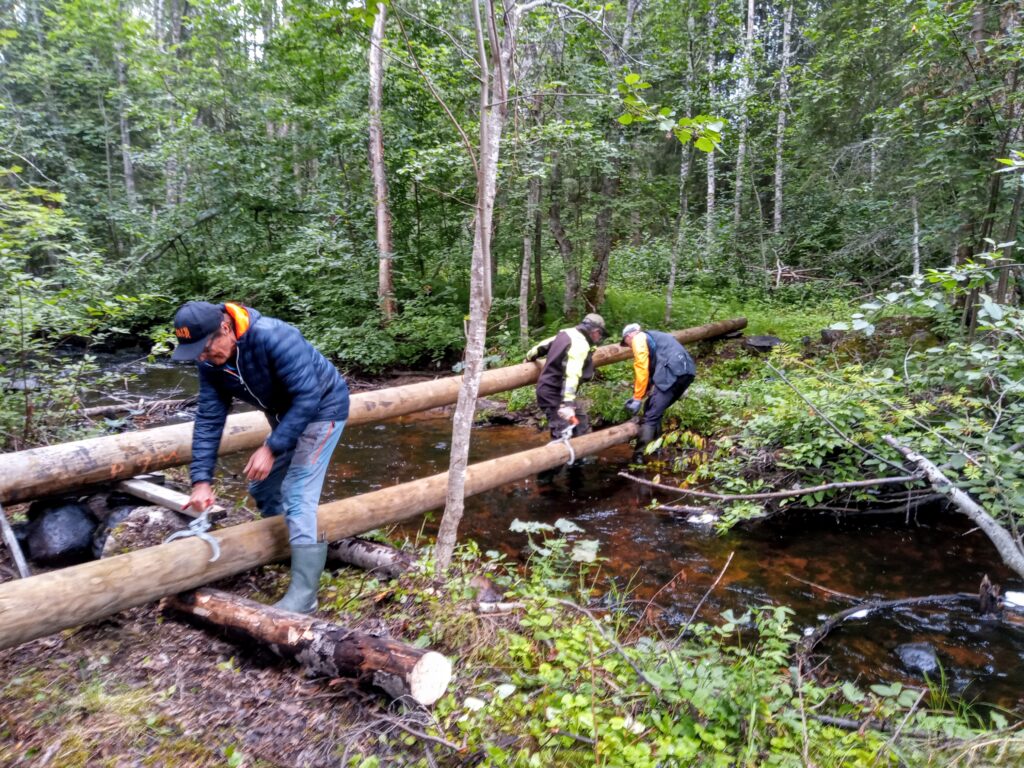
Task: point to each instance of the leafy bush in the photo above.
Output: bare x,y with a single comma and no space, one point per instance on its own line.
59,290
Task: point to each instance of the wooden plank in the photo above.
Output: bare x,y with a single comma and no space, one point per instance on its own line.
165,497
13,546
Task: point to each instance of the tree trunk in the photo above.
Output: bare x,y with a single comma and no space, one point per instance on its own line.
495,67
379,559
594,296
685,164
52,469
385,248
565,247
780,126
915,249
745,81
325,650
532,205
709,221
540,302
122,118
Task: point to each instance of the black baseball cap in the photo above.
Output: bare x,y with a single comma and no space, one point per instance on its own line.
194,324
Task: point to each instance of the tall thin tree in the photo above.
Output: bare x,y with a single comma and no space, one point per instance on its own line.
780,125
385,248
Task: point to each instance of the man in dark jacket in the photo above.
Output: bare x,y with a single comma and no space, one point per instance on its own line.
662,372
569,360
268,364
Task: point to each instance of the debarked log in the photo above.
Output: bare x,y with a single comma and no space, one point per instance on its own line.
31,474
49,602
324,649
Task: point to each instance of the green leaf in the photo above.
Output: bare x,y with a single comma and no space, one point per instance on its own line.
852,693
632,78
705,144
626,119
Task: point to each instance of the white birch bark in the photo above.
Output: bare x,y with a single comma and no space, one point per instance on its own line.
709,221
745,89
685,163
385,248
780,128
915,246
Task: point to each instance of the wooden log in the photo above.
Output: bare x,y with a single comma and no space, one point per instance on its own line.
49,602
17,556
379,559
323,648
37,472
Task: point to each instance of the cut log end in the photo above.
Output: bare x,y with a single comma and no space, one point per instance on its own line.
429,678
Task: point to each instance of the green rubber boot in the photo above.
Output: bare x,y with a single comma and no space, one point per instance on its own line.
307,565
648,432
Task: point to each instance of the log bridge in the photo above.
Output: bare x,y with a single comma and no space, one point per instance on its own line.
47,603
53,469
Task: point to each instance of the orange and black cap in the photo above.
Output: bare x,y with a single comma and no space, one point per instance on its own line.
194,324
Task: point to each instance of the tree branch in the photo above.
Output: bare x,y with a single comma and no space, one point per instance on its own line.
774,494
1008,547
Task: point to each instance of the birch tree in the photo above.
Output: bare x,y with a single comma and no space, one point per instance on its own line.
385,248
494,59
746,69
780,124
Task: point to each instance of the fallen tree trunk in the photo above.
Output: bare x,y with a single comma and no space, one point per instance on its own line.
379,559
49,602
323,648
1008,546
38,472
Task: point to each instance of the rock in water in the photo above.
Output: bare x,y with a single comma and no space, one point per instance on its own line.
918,657
60,533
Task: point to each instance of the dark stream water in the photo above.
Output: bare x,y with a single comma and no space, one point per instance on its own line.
775,562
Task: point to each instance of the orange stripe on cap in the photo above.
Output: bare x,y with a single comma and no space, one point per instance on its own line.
240,316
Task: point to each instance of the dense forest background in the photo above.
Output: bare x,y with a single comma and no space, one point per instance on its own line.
159,151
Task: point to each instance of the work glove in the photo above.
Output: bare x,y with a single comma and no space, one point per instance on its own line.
531,356
567,412
633,406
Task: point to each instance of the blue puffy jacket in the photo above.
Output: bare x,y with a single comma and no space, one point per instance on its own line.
276,370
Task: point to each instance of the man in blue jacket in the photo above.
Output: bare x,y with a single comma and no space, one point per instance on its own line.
662,372
268,364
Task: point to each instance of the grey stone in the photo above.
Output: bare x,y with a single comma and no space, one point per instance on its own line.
918,657
60,533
